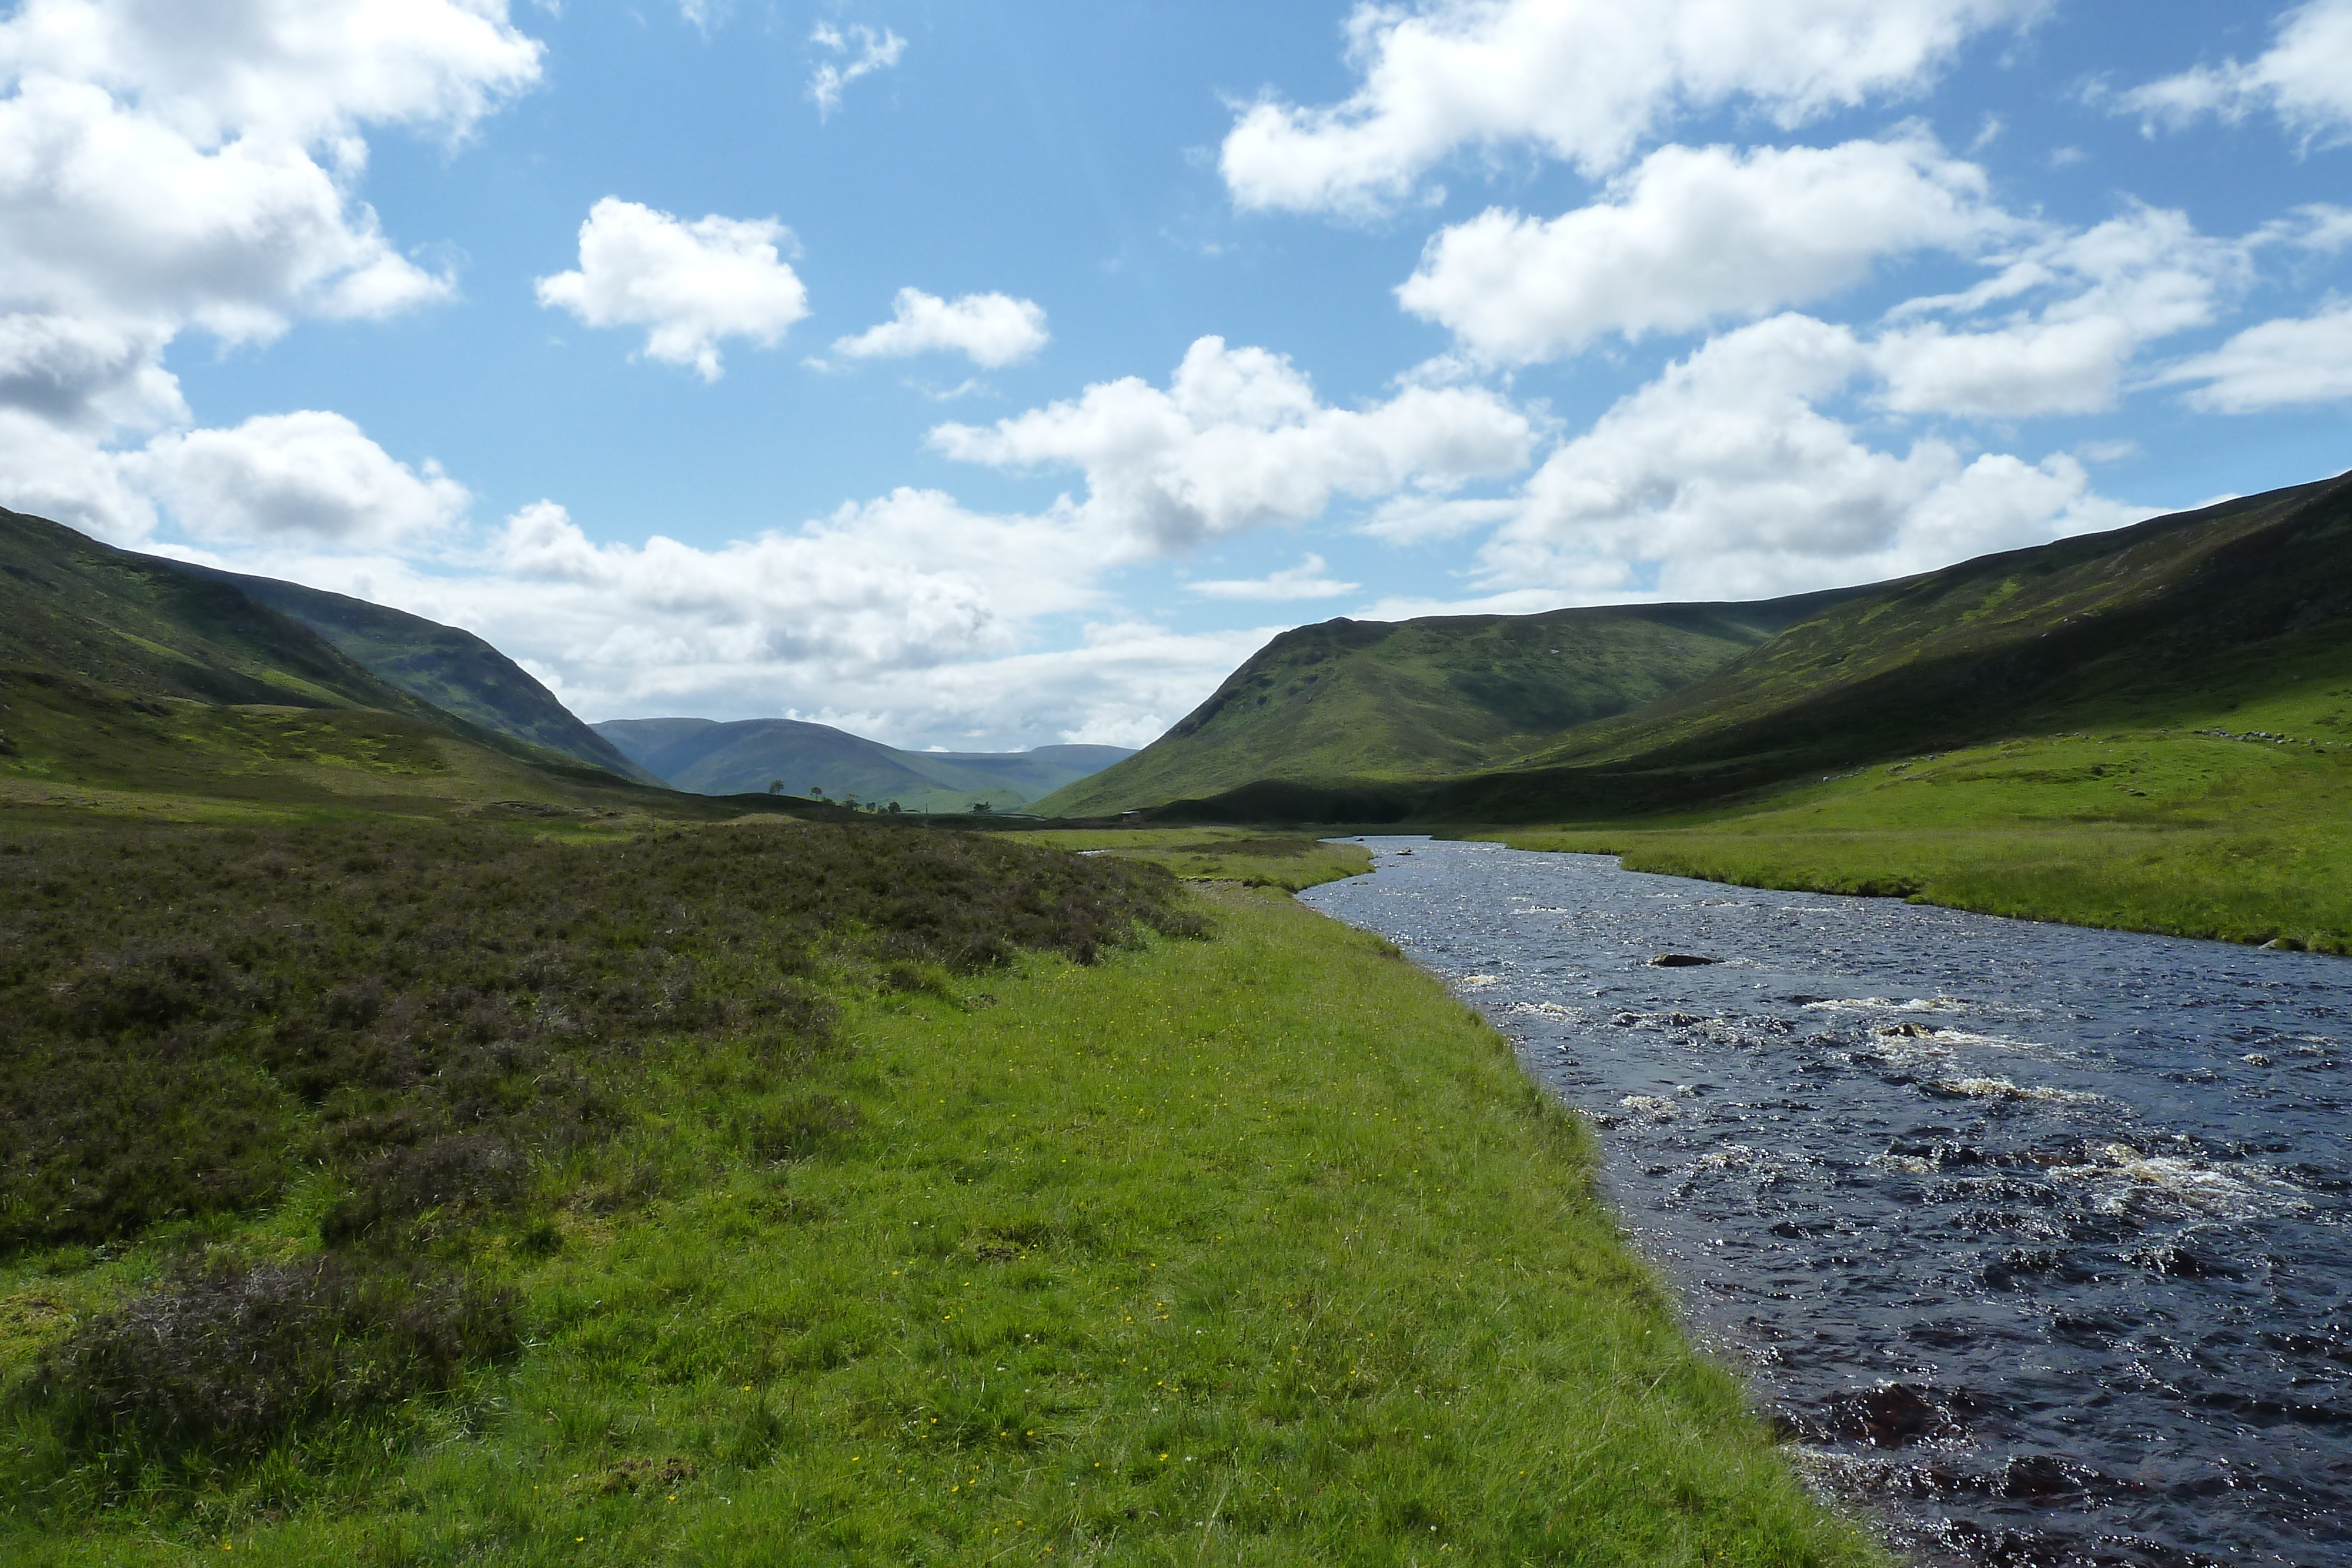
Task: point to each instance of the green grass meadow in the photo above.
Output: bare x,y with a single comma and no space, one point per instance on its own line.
2238,836
1254,1248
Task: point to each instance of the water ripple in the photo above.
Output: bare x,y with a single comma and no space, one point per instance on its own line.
2034,1238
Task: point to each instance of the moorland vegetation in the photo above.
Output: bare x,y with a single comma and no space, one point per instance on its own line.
423,1193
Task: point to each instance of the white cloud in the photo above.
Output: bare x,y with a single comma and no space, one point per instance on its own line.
59,472
164,168
991,330
2118,286
689,284
875,52
1583,81
2285,364
301,75
2304,79
309,475
908,618
1411,518
173,168
1304,580
1693,234
1240,440
1725,479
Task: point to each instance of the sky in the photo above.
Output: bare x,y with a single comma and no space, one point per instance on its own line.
993,375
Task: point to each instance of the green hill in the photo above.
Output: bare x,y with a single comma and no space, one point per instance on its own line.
128,685
455,671
710,758
1427,698
140,626
2170,622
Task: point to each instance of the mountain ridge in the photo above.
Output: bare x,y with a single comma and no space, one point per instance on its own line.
1430,697
2151,620
445,665
742,755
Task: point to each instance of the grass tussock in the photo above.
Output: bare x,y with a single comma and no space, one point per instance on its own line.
1256,1248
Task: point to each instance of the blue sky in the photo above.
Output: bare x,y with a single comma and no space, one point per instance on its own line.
991,376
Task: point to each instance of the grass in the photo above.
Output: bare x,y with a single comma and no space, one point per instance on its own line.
1251,856
1252,1246
2215,831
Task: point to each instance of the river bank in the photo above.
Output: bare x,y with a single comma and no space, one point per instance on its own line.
1254,1248
2233,834
2032,1234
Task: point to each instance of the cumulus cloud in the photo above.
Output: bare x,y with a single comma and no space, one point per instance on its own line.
689,284
1304,580
1725,479
908,617
2304,79
2106,292
310,475
990,329
161,168
297,75
2285,364
1693,234
1583,81
864,51
166,169
1239,439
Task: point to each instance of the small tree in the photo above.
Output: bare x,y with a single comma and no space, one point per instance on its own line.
816,791
980,806
894,808
775,786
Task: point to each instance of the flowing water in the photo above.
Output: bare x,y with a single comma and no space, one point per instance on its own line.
2035,1238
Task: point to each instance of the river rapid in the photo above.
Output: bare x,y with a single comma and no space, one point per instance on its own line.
2034,1238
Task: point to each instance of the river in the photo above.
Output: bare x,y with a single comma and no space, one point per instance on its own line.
2034,1238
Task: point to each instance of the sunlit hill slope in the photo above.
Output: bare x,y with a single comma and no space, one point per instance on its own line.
2168,622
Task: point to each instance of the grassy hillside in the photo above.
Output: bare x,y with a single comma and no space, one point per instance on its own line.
453,670
754,1196
2171,623
2152,623
71,605
710,758
129,687
1427,698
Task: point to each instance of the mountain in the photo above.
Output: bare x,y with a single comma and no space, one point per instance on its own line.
1430,697
128,685
141,626
2167,621
455,671
710,758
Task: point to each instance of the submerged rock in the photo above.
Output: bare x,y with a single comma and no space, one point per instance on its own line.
1680,960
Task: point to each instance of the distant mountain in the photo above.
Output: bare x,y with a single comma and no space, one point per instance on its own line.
2165,621
455,671
710,758
1430,697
